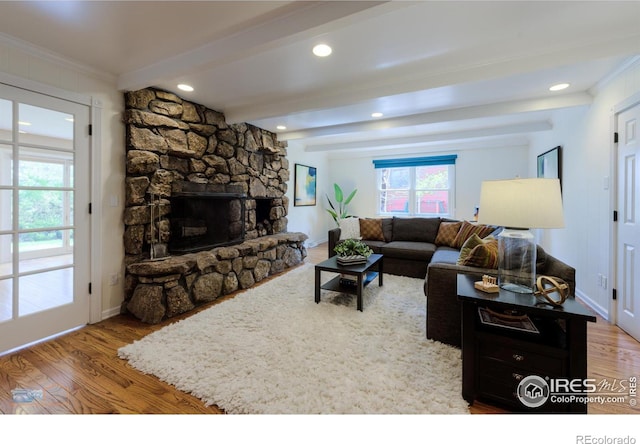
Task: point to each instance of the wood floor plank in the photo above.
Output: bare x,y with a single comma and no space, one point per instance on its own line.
105,359
66,375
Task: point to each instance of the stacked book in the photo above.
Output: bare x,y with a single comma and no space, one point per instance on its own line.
348,280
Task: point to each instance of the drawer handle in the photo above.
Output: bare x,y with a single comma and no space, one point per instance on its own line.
518,357
517,376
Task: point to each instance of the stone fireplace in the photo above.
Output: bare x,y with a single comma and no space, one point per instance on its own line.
213,192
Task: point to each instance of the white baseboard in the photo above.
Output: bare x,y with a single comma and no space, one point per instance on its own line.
111,312
601,311
310,243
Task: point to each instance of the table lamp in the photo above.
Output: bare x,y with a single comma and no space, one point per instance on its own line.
518,205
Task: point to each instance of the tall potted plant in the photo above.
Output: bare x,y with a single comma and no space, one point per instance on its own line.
339,210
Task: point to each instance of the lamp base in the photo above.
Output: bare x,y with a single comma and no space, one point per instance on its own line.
516,288
516,260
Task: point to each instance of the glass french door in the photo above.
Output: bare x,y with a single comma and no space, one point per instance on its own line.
44,217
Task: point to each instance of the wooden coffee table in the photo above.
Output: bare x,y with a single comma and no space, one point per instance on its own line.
364,273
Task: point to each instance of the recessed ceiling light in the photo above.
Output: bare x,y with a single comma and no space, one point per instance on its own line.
185,87
24,123
281,127
559,87
376,114
322,50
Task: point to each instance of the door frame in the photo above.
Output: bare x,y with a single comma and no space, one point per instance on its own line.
622,106
95,179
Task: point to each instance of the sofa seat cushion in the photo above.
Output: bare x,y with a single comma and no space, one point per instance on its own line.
419,251
376,246
446,255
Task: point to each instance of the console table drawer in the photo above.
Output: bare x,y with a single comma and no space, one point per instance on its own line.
521,356
506,372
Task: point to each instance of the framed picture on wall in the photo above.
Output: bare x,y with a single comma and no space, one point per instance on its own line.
550,164
304,186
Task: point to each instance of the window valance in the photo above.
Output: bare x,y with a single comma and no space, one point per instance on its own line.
415,161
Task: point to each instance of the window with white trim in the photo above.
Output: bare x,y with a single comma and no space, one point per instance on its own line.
422,186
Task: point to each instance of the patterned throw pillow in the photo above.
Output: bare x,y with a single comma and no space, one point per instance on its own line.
467,229
471,243
371,229
447,233
350,228
484,255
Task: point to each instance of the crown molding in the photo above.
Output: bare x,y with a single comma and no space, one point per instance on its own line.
53,57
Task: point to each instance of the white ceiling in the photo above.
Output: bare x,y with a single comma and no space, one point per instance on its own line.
447,71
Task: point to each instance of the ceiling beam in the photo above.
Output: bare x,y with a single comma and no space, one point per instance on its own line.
515,141
471,112
400,142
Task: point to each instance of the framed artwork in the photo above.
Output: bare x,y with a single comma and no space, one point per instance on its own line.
550,164
304,186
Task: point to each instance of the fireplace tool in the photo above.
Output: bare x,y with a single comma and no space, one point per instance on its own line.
159,249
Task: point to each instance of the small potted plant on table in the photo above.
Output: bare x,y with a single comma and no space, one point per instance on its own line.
352,252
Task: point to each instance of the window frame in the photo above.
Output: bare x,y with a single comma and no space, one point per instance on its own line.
413,192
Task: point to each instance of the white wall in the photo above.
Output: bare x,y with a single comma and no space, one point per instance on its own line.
473,165
23,61
311,220
586,135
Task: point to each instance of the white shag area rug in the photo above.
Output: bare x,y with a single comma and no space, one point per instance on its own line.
273,350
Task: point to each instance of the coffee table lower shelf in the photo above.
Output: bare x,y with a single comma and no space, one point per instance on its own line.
335,285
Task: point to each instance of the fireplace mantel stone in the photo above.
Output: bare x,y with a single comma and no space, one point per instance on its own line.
166,288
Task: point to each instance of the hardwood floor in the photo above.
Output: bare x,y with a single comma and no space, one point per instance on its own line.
80,371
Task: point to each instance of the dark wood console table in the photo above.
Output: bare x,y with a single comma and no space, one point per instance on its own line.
495,359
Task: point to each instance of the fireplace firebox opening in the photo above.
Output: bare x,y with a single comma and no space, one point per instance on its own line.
203,220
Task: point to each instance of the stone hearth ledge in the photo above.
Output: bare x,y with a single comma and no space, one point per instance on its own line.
157,290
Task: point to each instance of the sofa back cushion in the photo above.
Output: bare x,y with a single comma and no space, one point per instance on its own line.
387,228
416,229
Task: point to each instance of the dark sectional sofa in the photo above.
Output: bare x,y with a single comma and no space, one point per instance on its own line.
416,247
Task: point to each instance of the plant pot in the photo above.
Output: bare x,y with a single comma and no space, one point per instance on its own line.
355,259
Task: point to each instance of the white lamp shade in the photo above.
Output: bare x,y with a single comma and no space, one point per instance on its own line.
521,203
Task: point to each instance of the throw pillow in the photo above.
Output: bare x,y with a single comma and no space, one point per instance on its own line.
467,229
484,255
447,233
371,229
471,243
350,228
